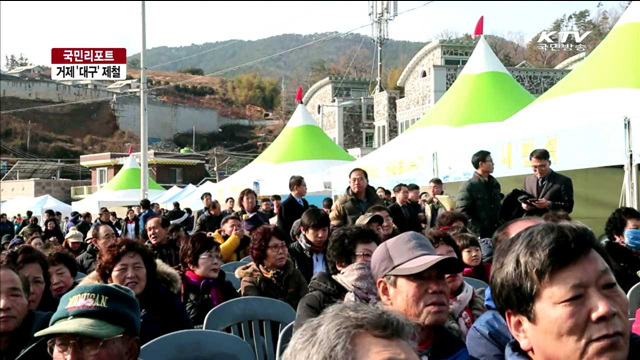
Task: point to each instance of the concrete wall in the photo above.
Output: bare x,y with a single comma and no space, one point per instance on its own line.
60,189
222,121
165,120
49,91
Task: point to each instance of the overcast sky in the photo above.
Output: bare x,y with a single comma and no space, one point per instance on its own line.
33,28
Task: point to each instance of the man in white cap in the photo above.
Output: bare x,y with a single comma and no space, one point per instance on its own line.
411,280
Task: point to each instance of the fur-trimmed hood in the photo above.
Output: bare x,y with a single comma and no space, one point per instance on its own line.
167,277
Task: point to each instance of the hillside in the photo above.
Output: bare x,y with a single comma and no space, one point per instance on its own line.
292,66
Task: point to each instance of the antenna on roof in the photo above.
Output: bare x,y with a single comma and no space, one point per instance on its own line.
380,13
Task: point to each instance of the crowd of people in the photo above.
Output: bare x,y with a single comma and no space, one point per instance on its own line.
375,274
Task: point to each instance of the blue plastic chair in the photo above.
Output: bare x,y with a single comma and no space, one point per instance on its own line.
634,299
232,266
196,345
231,277
246,259
285,337
253,318
477,284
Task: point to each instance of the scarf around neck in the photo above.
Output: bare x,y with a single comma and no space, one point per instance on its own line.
358,280
307,245
457,307
195,279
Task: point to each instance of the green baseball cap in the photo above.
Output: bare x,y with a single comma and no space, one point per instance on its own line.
98,310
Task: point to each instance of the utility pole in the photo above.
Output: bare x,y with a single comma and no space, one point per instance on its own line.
283,99
144,128
28,134
194,139
215,164
380,13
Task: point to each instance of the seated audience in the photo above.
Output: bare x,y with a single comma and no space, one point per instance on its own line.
388,229
203,284
271,274
465,303
101,238
74,242
156,286
210,220
18,322
489,334
62,271
36,241
163,247
411,279
471,251
373,222
623,247
106,328
52,231
130,225
349,277
32,264
234,244
354,331
248,213
309,252
560,298
450,219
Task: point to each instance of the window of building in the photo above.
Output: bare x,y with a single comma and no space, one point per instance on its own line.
319,109
450,61
176,175
102,176
367,138
423,74
356,93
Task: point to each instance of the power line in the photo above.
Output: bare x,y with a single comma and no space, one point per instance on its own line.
249,63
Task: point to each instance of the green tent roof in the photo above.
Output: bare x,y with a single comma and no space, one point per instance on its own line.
302,139
615,63
483,92
129,178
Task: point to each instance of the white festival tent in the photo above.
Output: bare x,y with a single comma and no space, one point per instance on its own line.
122,190
580,120
161,199
192,199
184,192
483,94
37,205
302,148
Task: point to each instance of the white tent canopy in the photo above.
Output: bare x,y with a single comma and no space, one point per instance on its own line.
37,205
161,199
186,191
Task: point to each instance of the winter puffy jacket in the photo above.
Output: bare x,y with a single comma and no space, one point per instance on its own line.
196,295
346,210
477,307
161,311
324,291
87,260
489,334
302,257
479,199
288,285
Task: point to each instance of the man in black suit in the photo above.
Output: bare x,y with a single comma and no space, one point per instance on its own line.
292,208
400,212
551,191
206,202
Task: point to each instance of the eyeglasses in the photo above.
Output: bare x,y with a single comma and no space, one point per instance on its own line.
278,248
89,346
365,255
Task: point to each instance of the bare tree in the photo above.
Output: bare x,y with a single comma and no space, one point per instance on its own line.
447,34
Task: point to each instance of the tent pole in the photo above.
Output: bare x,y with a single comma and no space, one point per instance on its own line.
628,165
144,128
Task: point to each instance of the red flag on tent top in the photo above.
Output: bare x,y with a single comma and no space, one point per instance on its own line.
130,149
299,96
479,28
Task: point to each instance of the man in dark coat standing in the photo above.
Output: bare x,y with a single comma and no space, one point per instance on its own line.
292,208
479,197
551,191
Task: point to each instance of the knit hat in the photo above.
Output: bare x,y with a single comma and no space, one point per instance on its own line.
6,239
17,241
98,310
74,235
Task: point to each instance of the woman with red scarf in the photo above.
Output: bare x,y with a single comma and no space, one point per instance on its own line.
203,285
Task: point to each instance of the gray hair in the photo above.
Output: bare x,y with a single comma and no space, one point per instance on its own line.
329,336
